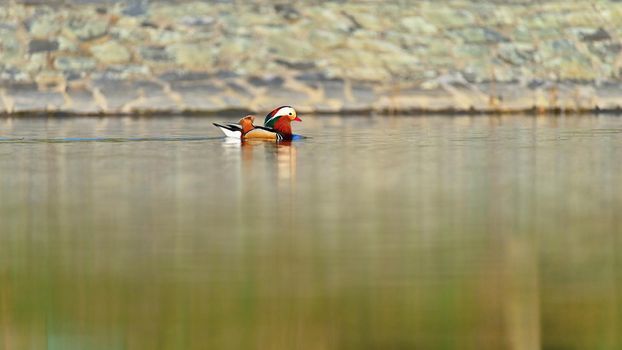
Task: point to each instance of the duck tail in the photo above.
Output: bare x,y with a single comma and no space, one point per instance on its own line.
230,130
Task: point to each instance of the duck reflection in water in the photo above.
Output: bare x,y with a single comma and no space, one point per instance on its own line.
282,154
286,161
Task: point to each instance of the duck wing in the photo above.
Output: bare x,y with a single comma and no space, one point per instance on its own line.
263,133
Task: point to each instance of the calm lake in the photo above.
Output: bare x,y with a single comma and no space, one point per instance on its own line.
427,232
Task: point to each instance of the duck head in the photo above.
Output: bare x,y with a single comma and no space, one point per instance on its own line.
286,112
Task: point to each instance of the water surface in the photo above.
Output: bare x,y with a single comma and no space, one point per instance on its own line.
466,232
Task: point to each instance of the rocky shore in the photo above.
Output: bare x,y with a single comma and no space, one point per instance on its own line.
91,57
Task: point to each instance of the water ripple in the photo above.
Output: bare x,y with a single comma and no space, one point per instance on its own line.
106,139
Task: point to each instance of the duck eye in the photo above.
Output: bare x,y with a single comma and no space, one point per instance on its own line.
290,114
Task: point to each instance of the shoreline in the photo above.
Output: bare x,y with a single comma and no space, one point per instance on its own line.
403,113
209,57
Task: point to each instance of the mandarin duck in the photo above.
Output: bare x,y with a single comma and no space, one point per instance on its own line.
277,126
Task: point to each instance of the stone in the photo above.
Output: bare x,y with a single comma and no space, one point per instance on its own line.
521,33
304,65
368,21
552,49
375,46
111,52
581,69
8,26
480,35
597,35
313,76
289,45
181,75
516,53
154,102
504,73
338,53
286,96
254,66
447,17
193,56
232,50
197,94
73,76
10,47
14,75
33,100
239,89
505,16
38,45
37,62
129,30
287,11
197,21
82,100
87,28
270,81
119,93
362,92
74,63
65,44
606,50
333,89
198,88
403,66
332,21
325,40
50,79
418,25
44,26
155,53
136,8
360,65
21,87
122,71
472,51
